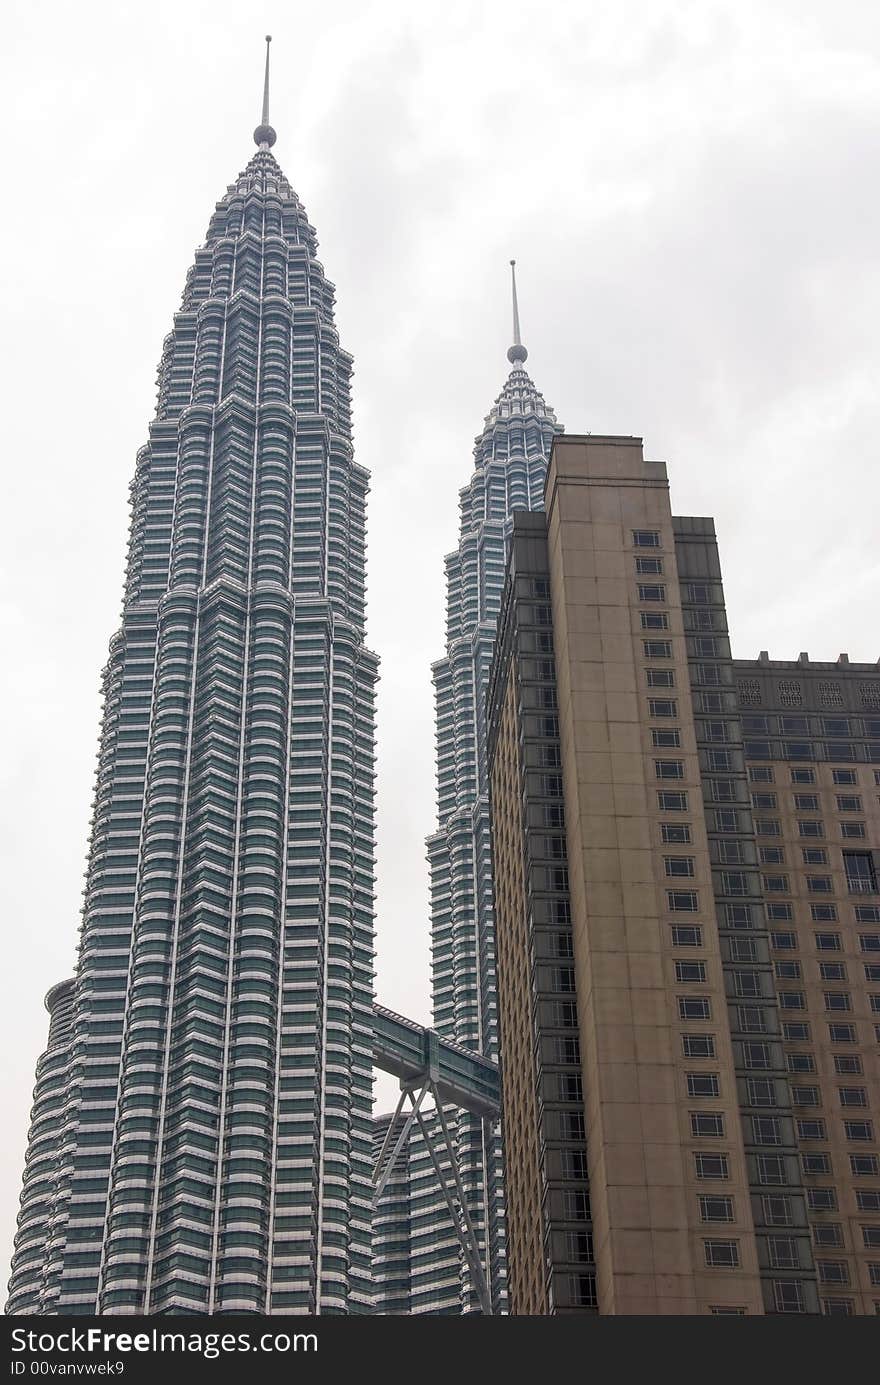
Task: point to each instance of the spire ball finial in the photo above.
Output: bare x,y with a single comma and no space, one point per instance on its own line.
517,353
264,135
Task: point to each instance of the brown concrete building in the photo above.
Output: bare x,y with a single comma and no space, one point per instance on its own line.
687,951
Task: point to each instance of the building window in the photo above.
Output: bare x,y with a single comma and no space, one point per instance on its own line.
832,1271
698,1045
849,803
806,802
660,677
864,1165
837,1000
823,913
654,620
801,1062
722,1254
792,1000
657,649
576,1205
687,937
582,1290
579,1246
783,942
761,1091
743,949
748,983
751,1019
805,1096
776,1208
859,1130
707,1124
844,776
842,1033
783,1253
669,769
679,866
652,591
763,800
847,1063
772,856
819,884
711,1166
816,1165
693,1008
788,1296
675,832
682,901
802,774
815,856
795,726
700,1084
690,971
807,828
717,1209
796,1033
739,916
672,801
832,971
662,707
811,1129
828,1233
649,567
735,882
788,971
861,876
822,1199
646,538
574,1163
766,1130
852,830
756,1055
776,884
771,1168
828,942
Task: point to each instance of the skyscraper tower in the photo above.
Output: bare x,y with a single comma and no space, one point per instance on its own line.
510,462
201,1139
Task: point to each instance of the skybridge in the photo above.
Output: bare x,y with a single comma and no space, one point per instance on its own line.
428,1065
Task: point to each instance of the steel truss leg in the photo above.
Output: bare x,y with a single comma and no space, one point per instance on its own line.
382,1178
465,1232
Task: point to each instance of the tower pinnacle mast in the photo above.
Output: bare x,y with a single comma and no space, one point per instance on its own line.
264,135
517,353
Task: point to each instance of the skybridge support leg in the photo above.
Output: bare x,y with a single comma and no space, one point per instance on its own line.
383,1175
455,1197
464,1227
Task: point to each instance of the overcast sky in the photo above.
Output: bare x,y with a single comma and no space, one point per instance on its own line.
691,192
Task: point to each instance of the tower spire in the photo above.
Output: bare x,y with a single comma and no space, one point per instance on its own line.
516,353
264,135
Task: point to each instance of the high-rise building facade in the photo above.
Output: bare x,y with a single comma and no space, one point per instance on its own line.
687,856
202,1139
510,462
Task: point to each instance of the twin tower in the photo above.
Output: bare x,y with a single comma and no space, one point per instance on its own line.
202,1137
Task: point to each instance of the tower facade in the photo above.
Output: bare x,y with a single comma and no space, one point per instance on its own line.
202,1139
687,876
510,463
